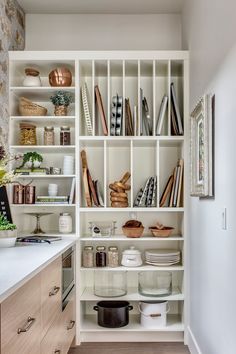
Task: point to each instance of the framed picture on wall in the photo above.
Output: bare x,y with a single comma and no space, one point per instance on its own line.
202,148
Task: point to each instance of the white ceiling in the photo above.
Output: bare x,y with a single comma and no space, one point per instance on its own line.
101,6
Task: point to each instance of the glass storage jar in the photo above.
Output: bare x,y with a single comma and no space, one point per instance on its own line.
87,257
49,136
155,283
101,256
113,257
110,284
65,223
65,136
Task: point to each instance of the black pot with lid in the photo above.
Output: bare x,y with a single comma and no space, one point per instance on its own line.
113,314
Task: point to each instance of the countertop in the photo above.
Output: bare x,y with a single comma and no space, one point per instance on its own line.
19,264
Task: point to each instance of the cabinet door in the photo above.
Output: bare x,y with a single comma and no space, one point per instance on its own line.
52,342
21,320
68,324
51,293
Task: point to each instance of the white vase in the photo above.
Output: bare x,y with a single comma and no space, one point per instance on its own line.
8,238
32,81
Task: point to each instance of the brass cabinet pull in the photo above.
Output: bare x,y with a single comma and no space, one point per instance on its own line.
54,291
29,324
71,325
57,351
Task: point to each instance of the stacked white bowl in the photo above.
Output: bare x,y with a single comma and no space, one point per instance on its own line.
68,165
52,190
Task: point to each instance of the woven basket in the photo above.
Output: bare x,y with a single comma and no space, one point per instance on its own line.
29,108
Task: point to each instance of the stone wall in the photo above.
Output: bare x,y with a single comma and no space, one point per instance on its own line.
12,37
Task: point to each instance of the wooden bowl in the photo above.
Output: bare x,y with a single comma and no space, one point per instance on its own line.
165,232
133,232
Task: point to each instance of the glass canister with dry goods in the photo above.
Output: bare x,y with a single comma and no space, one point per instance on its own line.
88,257
65,136
49,136
28,134
113,257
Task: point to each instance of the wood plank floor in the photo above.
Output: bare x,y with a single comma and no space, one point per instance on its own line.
131,348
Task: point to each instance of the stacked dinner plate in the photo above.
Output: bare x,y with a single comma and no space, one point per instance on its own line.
162,257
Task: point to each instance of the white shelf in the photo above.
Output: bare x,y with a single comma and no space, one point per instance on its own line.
22,176
130,239
174,324
40,121
130,209
132,295
42,205
46,149
135,269
38,94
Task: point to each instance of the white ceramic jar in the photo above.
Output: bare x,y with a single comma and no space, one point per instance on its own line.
65,223
131,257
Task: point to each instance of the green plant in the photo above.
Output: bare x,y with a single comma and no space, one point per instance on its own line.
5,225
32,157
61,98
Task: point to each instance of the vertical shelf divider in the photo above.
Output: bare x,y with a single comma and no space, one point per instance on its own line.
132,173
154,97
169,98
158,171
93,98
108,98
139,107
105,173
123,94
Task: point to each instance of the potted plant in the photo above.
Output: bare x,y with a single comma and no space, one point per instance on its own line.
31,160
61,101
8,232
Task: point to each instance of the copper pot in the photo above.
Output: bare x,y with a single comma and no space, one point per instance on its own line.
30,194
18,194
60,77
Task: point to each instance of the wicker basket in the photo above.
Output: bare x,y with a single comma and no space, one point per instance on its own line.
133,232
29,108
165,232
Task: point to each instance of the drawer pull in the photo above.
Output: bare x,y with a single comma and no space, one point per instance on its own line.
54,291
57,351
71,325
30,322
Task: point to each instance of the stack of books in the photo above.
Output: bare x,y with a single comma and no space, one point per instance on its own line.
52,200
31,172
172,194
146,196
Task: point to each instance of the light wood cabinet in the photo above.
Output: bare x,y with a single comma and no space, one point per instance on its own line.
50,293
21,320
32,320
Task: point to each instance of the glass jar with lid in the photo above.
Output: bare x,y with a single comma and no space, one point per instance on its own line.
87,257
65,135
65,223
101,256
113,257
49,136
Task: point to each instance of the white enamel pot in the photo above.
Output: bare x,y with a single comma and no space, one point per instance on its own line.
153,313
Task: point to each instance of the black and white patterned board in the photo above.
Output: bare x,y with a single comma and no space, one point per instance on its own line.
4,204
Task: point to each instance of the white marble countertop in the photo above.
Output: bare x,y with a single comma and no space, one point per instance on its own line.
19,264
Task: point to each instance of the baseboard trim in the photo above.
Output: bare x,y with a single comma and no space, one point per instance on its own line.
192,343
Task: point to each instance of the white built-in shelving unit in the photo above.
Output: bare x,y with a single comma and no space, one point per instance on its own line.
109,157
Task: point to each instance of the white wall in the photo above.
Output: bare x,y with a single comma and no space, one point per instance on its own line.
103,32
209,33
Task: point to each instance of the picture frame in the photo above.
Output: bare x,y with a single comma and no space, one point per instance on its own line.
202,148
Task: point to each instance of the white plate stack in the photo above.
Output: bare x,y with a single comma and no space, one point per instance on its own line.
162,257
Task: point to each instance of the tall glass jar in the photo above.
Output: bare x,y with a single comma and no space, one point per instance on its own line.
87,257
49,136
65,136
101,256
65,223
113,257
